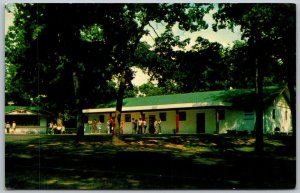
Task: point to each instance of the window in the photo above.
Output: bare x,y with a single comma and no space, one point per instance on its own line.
101,118
182,116
163,116
221,114
273,114
127,117
248,115
286,115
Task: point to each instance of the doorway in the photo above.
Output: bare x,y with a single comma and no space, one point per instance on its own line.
200,122
151,124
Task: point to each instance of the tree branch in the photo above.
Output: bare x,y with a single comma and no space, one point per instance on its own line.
153,29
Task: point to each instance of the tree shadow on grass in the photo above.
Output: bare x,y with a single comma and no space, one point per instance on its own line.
188,162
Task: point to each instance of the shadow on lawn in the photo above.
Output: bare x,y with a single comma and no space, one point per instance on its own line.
157,162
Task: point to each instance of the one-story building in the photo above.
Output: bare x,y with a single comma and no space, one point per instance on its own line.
29,120
213,112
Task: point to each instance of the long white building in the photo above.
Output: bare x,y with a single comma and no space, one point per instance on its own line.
203,112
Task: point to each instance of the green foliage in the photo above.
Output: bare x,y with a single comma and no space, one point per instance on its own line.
91,33
271,27
70,52
269,30
198,69
150,89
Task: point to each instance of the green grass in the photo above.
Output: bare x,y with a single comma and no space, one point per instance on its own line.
149,162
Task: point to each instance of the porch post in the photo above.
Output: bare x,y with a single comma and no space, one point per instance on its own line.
177,121
142,115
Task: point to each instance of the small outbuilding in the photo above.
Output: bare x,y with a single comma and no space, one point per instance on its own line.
213,112
29,120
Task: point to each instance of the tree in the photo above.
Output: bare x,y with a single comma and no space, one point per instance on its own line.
52,44
198,69
268,29
75,48
189,17
240,69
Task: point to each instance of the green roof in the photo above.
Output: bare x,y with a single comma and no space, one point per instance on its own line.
33,109
237,97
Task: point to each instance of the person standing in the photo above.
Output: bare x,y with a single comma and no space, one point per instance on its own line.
95,126
155,126
159,126
55,131
49,129
133,126
112,125
108,126
144,126
99,126
14,126
90,122
7,126
140,126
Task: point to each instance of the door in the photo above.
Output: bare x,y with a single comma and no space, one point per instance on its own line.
200,122
151,124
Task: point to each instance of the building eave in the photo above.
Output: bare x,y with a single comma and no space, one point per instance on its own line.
158,107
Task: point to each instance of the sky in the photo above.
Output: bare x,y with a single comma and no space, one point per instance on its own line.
224,37
8,20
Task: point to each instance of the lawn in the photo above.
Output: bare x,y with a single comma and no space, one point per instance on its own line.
147,162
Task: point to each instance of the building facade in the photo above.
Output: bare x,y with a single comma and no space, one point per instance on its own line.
212,112
29,120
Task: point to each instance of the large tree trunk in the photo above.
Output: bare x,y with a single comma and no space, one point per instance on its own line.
117,131
77,109
291,69
259,143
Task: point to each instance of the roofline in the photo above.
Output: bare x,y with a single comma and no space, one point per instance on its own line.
19,108
32,112
157,107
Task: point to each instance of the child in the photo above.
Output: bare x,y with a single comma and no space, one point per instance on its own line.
7,126
99,125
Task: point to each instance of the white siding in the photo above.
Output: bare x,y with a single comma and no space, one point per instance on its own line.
236,120
190,125
166,126
283,119
127,127
43,122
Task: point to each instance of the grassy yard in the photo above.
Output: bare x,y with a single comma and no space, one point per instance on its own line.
147,162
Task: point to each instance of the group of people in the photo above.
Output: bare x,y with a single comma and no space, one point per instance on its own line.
96,126
11,127
56,128
140,126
